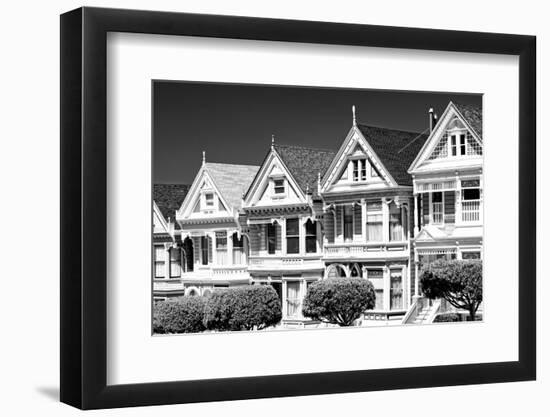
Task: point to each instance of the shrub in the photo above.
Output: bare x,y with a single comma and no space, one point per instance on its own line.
243,308
180,315
457,281
447,318
338,300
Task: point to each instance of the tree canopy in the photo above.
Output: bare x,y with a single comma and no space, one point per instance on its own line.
457,281
338,301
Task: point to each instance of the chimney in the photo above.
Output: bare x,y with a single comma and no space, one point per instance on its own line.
431,119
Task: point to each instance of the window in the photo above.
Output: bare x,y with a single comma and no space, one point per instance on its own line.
271,238
204,250
376,277
359,169
374,221
348,223
292,236
396,290
311,236
396,227
471,255
279,186
292,298
437,207
458,144
462,144
237,243
221,248
159,261
175,262
238,250
209,200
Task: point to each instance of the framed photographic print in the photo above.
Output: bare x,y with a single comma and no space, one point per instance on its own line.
257,208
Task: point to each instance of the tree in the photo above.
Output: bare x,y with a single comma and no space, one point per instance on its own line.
338,301
243,308
179,315
459,282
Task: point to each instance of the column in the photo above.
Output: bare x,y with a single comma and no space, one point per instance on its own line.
167,247
229,247
386,272
385,220
335,214
364,219
416,277
283,236
416,213
214,254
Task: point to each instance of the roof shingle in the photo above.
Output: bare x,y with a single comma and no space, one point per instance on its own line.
169,198
305,164
473,116
231,180
395,148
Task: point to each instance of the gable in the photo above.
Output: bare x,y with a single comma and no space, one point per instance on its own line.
160,225
453,141
204,199
356,165
274,185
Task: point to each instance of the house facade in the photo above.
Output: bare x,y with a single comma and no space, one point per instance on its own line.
383,205
282,216
209,220
368,203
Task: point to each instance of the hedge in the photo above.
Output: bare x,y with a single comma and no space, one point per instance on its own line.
179,315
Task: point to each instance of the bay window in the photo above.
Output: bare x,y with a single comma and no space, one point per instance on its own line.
175,262
374,222
292,236
348,223
396,226
311,236
159,261
471,200
271,238
437,207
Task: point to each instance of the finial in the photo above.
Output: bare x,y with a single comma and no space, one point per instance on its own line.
353,111
272,141
203,157
318,182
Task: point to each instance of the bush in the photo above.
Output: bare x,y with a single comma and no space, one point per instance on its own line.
243,308
457,281
447,318
180,315
338,300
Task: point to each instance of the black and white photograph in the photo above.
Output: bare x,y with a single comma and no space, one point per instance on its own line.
280,207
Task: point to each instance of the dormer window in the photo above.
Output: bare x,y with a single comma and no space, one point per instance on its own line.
279,186
458,144
209,200
359,169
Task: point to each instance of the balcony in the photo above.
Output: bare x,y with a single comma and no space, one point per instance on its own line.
285,262
471,210
366,250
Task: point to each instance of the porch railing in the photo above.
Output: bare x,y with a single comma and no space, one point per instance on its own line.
470,210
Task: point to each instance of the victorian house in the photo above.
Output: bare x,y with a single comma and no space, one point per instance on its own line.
282,216
170,254
448,191
209,221
368,204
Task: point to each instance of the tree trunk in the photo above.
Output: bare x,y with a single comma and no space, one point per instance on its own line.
472,313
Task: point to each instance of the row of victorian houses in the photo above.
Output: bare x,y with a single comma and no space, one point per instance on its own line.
384,204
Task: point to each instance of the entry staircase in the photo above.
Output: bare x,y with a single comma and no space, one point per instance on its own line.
422,311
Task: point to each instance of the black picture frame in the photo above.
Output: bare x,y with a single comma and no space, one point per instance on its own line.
84,207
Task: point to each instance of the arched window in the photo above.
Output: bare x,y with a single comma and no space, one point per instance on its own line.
355,271
336,271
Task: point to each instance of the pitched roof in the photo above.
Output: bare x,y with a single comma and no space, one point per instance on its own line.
305,164
231,180
473,116
169,198
396,149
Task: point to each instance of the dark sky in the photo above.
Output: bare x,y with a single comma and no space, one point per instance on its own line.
233,123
